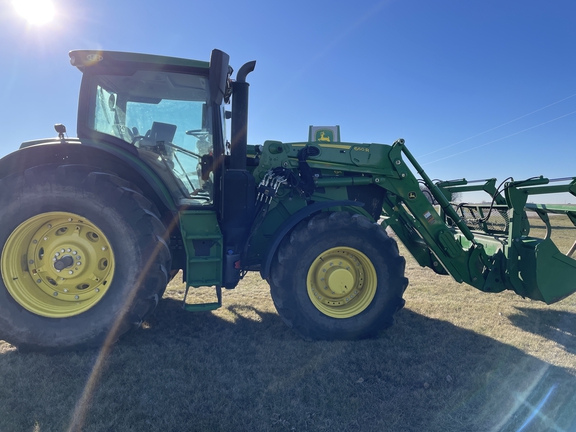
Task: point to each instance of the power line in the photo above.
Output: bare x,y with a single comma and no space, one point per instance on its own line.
499,139
497,127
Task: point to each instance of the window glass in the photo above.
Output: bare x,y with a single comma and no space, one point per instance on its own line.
167,117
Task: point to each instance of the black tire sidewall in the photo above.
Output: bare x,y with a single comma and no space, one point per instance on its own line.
91,327
290,279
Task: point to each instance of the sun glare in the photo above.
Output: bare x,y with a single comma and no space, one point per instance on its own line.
36,12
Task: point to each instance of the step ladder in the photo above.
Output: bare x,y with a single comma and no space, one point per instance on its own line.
204,247
202,307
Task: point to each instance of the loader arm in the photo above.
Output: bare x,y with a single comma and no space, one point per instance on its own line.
491,257
490,261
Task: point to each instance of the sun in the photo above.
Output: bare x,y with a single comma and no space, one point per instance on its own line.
36,12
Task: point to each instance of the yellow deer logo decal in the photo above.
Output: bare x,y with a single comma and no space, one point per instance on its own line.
324,138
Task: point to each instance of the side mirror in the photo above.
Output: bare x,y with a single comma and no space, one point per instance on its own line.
218,75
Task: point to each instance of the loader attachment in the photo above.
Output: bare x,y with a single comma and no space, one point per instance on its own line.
504,243
545,268
546,273
526,238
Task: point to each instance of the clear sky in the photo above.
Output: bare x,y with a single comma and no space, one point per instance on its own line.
478,88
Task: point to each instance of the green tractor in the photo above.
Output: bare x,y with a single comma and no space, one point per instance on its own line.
95,227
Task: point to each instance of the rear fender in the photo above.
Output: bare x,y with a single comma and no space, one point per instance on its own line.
106,157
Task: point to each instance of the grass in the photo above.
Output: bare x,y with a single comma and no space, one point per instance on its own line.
456,360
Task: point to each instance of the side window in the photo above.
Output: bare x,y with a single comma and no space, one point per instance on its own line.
109,115
167,116
174,134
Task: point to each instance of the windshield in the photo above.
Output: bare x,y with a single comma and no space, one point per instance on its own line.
165,116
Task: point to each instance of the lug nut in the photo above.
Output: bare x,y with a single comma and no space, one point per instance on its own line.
76,297
97,290
55,294
31,262
78,263
34,241
45,238
74,252
103,248
68,250
65,290
38,280
70,272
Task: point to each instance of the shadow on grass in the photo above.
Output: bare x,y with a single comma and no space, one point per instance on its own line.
248,372
558,326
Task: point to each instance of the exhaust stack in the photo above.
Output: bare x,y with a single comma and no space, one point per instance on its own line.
240,117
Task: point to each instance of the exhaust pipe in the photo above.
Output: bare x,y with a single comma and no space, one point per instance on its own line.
239,133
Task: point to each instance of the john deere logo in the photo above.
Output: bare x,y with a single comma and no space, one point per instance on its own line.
411,195
324,136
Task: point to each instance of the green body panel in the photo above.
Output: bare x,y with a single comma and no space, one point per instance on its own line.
280,210
204,247
365,159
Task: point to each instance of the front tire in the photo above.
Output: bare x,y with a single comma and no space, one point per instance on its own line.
338,276
83,261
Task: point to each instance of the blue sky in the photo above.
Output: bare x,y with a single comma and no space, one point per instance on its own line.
477,88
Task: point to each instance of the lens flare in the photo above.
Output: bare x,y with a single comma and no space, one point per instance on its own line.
36,12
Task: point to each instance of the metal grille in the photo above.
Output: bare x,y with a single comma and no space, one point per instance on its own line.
479,217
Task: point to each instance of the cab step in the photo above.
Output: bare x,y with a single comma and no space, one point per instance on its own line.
202,307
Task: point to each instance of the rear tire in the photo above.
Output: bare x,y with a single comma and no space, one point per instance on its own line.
83,258
338,276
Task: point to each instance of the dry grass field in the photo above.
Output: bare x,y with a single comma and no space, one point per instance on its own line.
456,360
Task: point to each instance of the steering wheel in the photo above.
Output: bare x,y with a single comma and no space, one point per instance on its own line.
201,134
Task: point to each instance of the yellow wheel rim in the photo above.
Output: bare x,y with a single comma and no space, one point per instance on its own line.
57,264
341,282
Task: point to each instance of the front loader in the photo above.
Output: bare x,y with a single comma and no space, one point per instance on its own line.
94,227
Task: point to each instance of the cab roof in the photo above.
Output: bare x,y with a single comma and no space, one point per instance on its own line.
83,59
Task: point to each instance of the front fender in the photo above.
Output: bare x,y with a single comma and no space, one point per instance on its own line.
291,222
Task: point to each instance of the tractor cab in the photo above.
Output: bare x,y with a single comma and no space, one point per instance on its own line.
169,114
168,111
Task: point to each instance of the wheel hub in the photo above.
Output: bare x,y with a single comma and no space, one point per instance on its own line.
341,282
62,263
68,268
